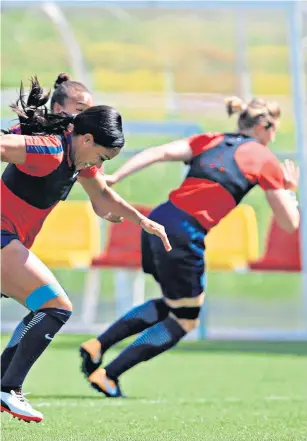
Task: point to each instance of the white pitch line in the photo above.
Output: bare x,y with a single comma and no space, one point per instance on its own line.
281,398
124,402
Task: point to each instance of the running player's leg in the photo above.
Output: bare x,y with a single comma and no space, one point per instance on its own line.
136,320
181,273
9,351
37,289
152,342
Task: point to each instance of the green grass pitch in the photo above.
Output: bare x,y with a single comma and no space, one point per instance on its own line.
200,391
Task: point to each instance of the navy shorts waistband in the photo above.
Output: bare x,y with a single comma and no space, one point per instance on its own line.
7,237
169,216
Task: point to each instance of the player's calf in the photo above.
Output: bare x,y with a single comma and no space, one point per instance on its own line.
150,343
9,352
37,335
155,340
133,322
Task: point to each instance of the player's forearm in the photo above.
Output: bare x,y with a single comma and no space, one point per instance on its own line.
290,221
138,162
110,201
284,207
289,218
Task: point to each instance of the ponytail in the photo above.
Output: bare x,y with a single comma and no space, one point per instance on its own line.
103,122
33,114
62,77
235,105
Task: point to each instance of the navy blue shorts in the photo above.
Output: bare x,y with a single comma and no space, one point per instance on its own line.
181,272
7,237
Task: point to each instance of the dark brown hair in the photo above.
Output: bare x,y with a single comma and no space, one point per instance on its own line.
103,122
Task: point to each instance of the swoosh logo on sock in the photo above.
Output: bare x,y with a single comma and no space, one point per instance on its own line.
47,336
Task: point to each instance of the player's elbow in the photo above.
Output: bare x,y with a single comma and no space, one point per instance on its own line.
161,154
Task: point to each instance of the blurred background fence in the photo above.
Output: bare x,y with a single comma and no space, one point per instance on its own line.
167,67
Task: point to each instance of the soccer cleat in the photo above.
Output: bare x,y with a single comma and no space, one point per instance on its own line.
16,405
102,383
91,356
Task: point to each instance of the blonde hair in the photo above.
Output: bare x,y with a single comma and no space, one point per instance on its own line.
257,111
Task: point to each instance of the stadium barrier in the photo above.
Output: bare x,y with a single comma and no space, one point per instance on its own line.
234,241
70,237
282,251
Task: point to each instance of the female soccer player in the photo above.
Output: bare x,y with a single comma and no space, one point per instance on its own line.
44,163
68,96
223,168
72,97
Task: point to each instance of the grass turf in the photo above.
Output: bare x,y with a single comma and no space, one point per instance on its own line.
208,391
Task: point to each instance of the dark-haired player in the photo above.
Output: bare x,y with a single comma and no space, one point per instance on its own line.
45,160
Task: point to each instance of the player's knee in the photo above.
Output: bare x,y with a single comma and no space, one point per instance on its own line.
61,303
187,317
161,307
48,296
187,324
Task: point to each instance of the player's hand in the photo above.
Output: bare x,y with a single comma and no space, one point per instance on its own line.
110,180
152,227
113,218
291,175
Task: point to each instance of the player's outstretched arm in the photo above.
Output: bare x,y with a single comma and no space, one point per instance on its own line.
104,199
174,151
13,149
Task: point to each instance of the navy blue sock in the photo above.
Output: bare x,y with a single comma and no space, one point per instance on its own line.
9,351
136,320
152,342
35,338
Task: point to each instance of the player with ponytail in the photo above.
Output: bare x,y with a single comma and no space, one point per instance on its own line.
223,168
51,152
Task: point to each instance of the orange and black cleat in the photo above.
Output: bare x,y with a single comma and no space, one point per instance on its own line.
102,383
90,352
